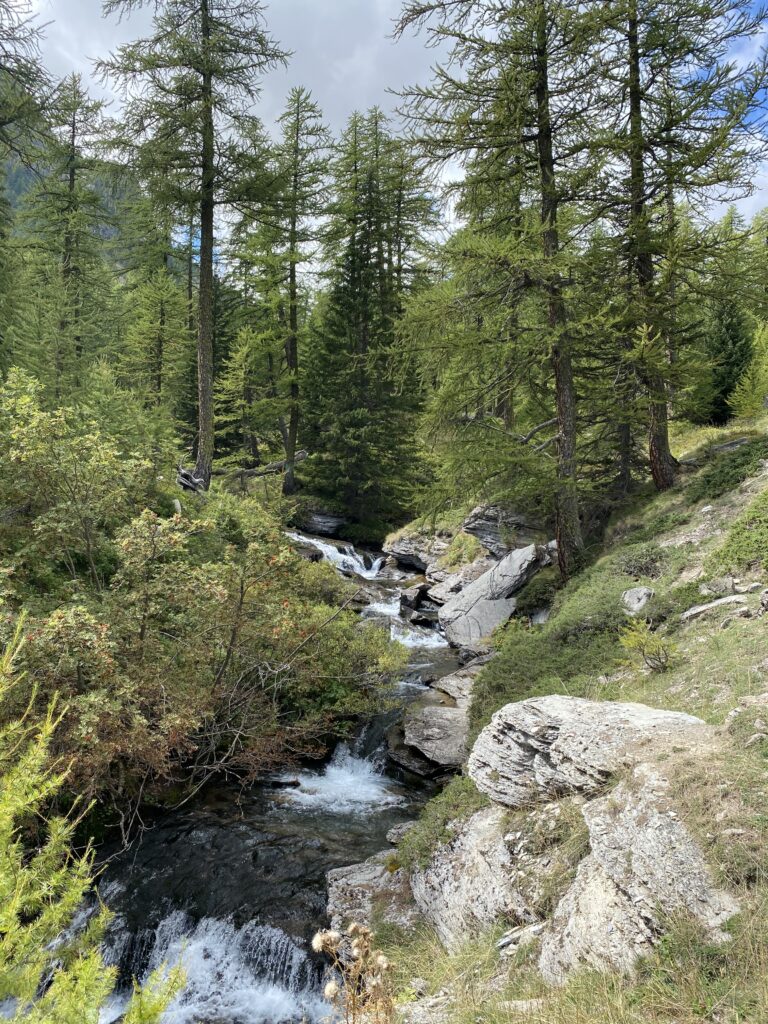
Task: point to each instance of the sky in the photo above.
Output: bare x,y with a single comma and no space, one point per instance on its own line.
342,50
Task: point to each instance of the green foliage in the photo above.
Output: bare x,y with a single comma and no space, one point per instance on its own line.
727,470
656,652
746,545
464,548
751,392
458,801
539,593
43,884
642,561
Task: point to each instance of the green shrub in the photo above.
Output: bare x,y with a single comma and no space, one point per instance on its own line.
637,637
642,561
540,592
746,545
727,470
458,801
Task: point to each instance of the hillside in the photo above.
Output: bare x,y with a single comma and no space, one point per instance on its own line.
596,861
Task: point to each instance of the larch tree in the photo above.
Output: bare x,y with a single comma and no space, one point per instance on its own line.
189,89
518,99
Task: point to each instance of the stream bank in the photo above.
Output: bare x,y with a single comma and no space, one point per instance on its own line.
233,885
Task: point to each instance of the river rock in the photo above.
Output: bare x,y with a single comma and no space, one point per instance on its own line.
542,748
416,550
643,862
501,530
472,615
468,885
636,599
457,581
413,596
440,734
357,891
323,524
459,685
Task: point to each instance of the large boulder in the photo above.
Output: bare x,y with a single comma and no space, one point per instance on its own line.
474,613
415,550
501,530
542,748
357,892
643,863
455,582
440,734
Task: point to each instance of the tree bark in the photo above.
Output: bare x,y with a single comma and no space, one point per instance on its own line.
568,526
205,415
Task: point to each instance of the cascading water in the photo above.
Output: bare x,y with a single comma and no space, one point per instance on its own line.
255,973
346,559
233,885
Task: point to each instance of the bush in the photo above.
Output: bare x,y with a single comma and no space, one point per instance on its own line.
746,545
642,561
638,638
540,592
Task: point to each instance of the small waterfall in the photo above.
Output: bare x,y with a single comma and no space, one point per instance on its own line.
346,559
254,974
349,784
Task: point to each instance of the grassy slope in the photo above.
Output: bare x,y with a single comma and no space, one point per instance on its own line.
672,543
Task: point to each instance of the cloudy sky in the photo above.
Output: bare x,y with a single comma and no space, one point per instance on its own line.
342,49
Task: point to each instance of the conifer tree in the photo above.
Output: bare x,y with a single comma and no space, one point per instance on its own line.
189,87
360,422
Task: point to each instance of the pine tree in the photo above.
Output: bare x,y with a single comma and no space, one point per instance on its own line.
361,428
188,85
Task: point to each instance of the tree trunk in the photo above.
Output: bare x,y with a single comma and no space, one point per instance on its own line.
663,464
292,341
205,435
568,525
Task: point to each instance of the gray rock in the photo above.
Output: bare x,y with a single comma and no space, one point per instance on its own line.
398,832
502,530
439,733
704,609
643,863
324,524
542,748
636,599
457,581
720,587
459,685
469,885
416,550
413,596
472,615
355,892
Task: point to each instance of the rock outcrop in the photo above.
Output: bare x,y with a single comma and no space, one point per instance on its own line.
440,733
324,524
416,550
473,614
469,884
542,748
643,863
355,892
501,530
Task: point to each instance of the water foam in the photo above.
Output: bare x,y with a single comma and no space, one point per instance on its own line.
346,560
348,784
250,975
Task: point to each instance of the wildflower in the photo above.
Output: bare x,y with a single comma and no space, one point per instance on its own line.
382,963
326,942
